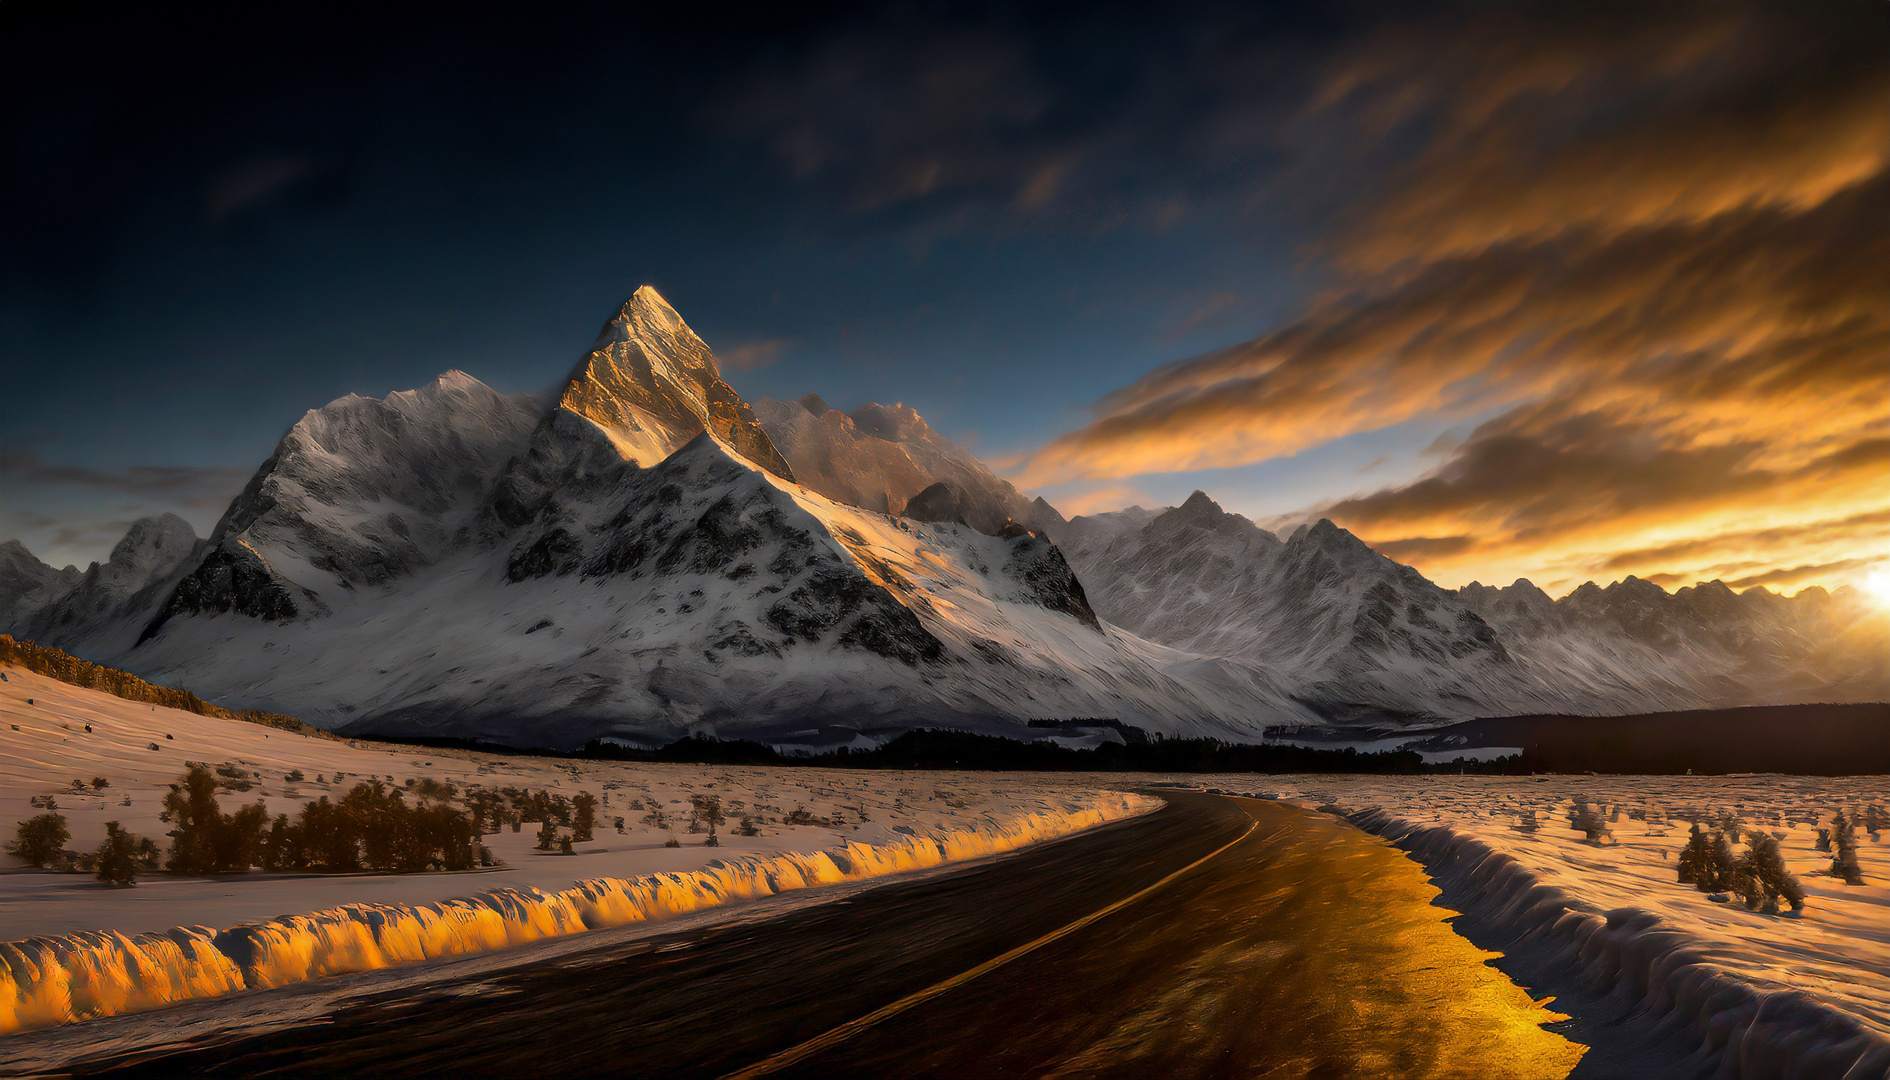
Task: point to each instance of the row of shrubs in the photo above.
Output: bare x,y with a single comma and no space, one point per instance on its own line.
41,841
372,827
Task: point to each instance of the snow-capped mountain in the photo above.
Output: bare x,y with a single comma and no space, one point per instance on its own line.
647,556
101,610
1358,635
885,457
1705,643
358,494
635,561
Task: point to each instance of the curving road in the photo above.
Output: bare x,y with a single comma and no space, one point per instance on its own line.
1215,937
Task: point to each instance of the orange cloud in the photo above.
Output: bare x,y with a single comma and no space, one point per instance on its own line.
1654,244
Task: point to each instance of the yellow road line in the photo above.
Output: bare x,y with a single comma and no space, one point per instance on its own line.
794,1055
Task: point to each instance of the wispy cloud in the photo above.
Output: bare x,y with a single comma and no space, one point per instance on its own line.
186,482
753,355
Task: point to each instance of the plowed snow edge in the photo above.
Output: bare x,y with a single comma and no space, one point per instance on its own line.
1736,1029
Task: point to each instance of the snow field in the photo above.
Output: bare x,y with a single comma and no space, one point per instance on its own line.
1804,994
79,949
1739,1028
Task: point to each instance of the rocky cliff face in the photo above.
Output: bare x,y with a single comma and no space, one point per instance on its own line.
28,585
651,385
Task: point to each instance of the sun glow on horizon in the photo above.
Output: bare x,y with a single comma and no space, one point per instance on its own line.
1877,586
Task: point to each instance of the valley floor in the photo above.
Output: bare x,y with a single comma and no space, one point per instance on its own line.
45,745
1838,949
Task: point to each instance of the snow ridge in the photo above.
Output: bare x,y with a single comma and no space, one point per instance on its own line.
54,980
1738,1029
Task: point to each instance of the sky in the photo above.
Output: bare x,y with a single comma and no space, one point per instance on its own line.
1563,291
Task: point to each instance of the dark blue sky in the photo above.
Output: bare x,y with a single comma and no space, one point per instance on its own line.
214,223
211,221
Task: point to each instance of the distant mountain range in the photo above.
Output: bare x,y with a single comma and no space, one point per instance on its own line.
652,556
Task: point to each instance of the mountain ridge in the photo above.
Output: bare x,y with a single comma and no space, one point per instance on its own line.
648,555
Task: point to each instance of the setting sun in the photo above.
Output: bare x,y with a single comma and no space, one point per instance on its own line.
1877,586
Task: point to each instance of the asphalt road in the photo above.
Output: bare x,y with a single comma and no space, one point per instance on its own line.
1215,937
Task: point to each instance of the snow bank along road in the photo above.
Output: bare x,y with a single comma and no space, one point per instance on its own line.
1215,936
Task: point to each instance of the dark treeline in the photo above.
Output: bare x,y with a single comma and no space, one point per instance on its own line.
67,668
938,749
1806,740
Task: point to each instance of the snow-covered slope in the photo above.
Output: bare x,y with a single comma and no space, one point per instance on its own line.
883,457
705,595
358,494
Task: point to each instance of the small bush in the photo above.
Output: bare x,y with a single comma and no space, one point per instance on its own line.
583,816
1586,819
39,840
99,783
1844,837
1761,879
1706,863
706,810
122,855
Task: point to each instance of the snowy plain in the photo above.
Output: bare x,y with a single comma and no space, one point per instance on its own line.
864,825
1837,949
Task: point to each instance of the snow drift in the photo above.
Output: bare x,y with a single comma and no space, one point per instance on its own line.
55,980
1738,1029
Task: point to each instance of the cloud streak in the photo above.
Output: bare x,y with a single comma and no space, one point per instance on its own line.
1651,248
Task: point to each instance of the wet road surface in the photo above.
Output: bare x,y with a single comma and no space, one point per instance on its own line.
1215,937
